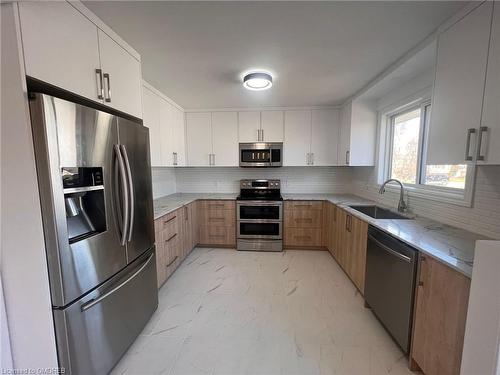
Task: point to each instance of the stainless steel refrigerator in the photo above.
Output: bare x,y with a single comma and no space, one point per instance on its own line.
95,185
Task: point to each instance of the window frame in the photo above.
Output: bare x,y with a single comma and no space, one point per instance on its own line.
462,197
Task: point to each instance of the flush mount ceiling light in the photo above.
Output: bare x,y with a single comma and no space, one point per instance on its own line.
258,81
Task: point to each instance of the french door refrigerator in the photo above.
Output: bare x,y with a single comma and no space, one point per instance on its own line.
95,185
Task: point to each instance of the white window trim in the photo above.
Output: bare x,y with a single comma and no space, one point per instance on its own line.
436,193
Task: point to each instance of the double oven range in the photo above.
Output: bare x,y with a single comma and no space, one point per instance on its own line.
259,216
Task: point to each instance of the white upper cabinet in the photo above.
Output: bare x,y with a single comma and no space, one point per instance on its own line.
297,140
358,130
325,129
152,107
458,88
249,126
264,126
122,78
272,126
225,139
489,152
64,48
60,46
178,137
166,129
199,139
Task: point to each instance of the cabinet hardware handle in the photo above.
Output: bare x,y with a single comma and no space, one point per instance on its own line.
482,129
303,205
262,135
216,219
107,80
213,158
470,131
302,237
171,237
347,155
173,260
303,220
169,220
187,212
311,158
100,89
174,155
216,235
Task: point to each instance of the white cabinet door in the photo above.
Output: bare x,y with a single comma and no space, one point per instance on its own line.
325,137
198,139
297,142
272,126
123,78
345,135
225,138
152,106
166,133
60,46
490,149
179,137
458,88
248,126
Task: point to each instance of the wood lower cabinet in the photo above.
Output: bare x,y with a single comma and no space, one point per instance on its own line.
350,239
217,223
303,224
175,235
442,298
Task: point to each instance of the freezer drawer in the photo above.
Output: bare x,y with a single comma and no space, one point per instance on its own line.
95,331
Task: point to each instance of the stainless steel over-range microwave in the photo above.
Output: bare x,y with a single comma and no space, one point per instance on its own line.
261,154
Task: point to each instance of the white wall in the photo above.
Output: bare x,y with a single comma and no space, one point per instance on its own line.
23,264
481,353
294,179
164,182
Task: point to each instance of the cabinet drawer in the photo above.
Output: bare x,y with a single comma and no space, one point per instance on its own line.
170,223
302,237
217,205
217,235
217,217
304,205
303,218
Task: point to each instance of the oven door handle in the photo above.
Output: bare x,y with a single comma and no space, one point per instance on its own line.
259,203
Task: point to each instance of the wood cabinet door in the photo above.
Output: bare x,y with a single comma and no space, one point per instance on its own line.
458,87
440,315
272,126
225,139
248,126
357,255
161,273
193,209
60,46
198,138
122,89
297,142
490,149
325,130
343,238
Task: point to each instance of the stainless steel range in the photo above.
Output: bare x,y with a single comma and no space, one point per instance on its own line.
260,216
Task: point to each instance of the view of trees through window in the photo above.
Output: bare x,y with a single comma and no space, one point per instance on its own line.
405,142
406,146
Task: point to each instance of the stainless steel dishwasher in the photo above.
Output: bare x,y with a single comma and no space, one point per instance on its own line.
390,283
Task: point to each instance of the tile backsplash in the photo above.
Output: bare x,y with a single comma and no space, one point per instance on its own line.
483,217
293,179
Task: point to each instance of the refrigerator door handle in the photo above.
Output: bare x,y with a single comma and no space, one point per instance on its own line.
130,191
94,302
125,192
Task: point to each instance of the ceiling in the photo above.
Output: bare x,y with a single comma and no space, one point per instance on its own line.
319,52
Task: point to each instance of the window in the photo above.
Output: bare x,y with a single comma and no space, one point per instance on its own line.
406,154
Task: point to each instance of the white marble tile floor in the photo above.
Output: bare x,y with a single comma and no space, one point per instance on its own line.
225,312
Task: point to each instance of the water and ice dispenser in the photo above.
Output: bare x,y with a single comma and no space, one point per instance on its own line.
84,201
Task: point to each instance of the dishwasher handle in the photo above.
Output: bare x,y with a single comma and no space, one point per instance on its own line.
387,249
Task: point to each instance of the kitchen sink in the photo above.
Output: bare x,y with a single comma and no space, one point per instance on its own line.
379,213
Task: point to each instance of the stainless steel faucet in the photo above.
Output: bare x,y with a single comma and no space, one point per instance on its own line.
402,206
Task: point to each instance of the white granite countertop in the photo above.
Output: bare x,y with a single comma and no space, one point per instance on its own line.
169,203
452,246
